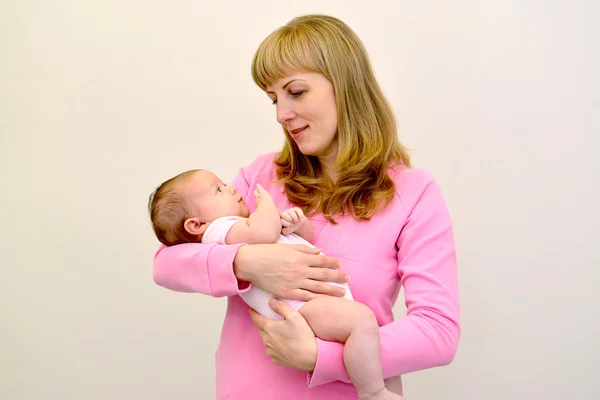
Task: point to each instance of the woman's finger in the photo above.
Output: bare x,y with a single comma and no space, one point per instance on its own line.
303,295
327,275
322,261
281,308
323,288
306,249
259,320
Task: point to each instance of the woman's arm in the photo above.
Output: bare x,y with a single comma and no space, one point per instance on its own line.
198,268
289,271
428,335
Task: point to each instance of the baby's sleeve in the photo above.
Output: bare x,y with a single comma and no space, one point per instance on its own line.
218,229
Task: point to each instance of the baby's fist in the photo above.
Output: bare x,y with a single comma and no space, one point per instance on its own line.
291,220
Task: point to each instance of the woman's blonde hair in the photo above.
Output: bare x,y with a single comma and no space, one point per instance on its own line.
367,134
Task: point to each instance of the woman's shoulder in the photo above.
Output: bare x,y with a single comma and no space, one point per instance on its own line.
410,178
411,183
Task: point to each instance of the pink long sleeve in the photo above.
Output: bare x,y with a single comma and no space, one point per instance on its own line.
428,335
197,268
201,268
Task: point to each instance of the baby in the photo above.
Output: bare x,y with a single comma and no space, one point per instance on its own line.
196,206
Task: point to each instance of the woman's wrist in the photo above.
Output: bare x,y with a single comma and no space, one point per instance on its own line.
311,361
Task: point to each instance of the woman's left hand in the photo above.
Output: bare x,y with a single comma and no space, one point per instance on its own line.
290,342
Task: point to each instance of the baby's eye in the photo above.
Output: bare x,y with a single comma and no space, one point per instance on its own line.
218,189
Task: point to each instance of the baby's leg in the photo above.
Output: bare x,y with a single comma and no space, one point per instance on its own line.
352,323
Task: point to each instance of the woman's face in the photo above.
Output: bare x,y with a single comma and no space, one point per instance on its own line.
306,108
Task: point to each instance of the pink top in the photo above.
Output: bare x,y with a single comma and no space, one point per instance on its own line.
410,244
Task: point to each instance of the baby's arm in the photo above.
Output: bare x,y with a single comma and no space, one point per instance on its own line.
263,226
294,221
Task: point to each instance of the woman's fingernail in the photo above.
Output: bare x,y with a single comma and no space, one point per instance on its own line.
272,301
346,278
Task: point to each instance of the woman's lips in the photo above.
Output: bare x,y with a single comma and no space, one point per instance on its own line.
297,132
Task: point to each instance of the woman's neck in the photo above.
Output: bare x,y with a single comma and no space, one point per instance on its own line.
327,165
329,171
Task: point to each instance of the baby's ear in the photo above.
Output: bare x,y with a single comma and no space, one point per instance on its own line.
195,226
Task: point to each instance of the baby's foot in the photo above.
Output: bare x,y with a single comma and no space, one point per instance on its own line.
383,395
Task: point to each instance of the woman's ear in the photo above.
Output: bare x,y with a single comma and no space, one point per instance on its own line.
195,226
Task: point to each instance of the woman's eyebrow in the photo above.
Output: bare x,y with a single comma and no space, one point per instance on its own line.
287,84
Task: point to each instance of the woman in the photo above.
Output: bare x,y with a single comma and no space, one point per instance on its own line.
387,223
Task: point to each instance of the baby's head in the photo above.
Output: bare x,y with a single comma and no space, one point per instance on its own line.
182,207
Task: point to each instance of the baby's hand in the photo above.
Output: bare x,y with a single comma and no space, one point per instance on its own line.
260,194
292,220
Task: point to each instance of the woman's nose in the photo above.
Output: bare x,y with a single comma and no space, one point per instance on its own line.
284,113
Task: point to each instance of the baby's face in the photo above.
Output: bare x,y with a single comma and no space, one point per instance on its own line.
209,198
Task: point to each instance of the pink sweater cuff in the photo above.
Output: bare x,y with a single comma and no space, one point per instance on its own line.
222,280
330,365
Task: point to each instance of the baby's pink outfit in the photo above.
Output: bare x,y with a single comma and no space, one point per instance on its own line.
257,298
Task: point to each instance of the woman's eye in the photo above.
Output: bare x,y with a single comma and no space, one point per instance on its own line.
293,94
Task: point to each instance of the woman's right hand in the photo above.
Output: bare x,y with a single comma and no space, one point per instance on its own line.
289,271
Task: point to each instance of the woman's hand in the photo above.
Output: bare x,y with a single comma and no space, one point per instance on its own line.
289,271
290,342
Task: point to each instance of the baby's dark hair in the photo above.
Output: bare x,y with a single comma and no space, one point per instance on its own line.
168,212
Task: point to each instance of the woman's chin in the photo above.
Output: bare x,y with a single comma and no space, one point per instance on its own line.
317,149
308,151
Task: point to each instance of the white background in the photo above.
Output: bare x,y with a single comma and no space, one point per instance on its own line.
100,101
